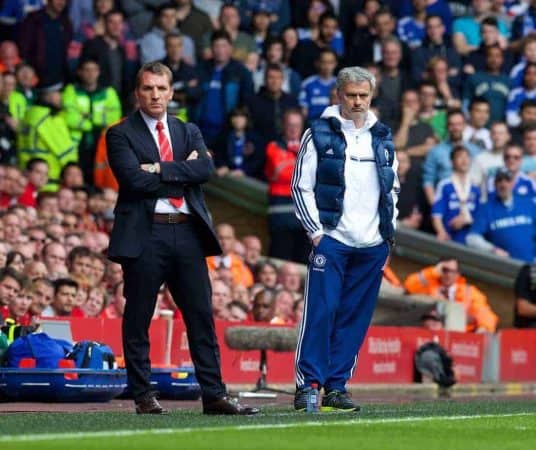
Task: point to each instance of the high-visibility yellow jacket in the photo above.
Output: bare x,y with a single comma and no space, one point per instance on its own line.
87,110
45,135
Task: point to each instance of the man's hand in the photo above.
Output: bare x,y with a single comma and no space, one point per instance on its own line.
458,222
192,156
317,240
500,252
148,167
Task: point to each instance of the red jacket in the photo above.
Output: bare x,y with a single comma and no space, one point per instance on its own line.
280,162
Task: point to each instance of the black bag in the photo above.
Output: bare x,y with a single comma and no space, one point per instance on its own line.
432,360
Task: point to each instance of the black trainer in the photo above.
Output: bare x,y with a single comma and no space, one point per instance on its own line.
338,401
300,398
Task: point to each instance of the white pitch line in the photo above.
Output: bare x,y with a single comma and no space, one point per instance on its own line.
159,431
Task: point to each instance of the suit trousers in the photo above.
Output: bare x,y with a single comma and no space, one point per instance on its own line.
340,294
174,255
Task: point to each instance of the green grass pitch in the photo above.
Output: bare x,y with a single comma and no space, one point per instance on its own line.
443,425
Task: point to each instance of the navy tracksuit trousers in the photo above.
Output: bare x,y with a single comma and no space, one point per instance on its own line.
341,290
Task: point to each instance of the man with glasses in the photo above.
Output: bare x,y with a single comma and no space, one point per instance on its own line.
504,225
523,184
444,281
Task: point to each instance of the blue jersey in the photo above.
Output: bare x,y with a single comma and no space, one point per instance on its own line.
410,31
447,206
510,227
517,73
314,95
515,100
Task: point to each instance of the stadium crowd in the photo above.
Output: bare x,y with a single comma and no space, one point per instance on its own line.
456,82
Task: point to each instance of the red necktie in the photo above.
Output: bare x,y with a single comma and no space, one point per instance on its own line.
166,154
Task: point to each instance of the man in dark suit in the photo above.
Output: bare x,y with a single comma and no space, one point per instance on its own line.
162,233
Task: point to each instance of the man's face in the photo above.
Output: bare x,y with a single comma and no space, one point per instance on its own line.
529,51
221,51
284,303
38,176
490,34
64,300
263,308
168,19
327,29
481,6
479,114
274,54
20,304
54,257
513,157
504,187
114,26
66,200
461,162
174,48
274,81
290,278
354,99
89,73
292,127
494,58
528,114
9,289
499,135
42,297
12,228
57,5
392,55
529,142
153,94
230,19
530,78
327,64
455,125
435,29
38,238
449,273
82,266
226,238
384,25
221,296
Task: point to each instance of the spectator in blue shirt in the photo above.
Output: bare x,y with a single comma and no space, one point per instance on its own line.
525,24
520,94
505,224
528,56
456,199
523,184
466,30
410,29
529,147
437,164
315,90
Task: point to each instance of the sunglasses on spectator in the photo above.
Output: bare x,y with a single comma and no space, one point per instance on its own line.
449,270
516,157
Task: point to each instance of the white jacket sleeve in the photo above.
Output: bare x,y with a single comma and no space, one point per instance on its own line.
303,184
395,191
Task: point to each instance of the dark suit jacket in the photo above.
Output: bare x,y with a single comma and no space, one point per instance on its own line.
130,144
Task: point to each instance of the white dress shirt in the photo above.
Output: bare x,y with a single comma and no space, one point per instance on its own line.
163,205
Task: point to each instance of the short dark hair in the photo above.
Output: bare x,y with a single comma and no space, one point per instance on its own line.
78,252
529,103
491,21
327,50
173,34
476,101
9,272
457,149
30,165
154,67
60,282
328,15
220,34
454,112
163,7
113,12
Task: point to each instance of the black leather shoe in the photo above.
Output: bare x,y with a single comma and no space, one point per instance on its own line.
150,405
228,406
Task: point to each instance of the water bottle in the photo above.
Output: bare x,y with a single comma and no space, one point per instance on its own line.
312,399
